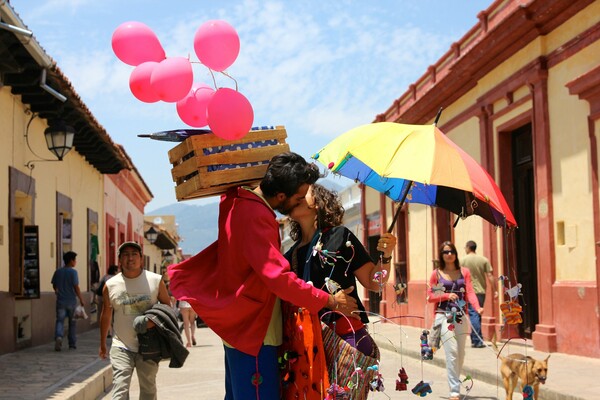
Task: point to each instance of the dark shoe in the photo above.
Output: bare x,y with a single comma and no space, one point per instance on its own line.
58,344
479,346
194,341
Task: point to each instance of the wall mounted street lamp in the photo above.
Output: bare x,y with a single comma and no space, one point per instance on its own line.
168,256
59,138
151,235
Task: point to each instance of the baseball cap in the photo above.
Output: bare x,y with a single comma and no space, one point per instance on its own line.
129,244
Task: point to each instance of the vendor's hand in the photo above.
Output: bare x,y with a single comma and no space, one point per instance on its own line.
103,353
452,297
480,310
386,244
345,303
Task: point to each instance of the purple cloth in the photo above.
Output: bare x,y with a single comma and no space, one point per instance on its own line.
361,340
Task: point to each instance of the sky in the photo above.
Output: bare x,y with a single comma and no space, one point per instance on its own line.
318,67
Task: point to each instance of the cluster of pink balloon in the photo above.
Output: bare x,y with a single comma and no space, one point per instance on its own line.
156,77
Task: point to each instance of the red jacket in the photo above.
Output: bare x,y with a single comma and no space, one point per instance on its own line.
233,283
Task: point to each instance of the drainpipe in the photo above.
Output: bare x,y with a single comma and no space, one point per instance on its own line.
33,47
12,22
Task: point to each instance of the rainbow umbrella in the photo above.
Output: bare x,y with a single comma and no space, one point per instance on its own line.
417,164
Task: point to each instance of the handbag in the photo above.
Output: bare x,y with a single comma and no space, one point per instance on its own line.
80,313
301,355
343,362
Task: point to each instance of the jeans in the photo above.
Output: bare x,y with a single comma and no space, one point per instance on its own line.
240,370
476,335
453,342
123,363
62,312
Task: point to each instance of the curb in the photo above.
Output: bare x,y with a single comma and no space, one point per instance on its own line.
91,388
482,375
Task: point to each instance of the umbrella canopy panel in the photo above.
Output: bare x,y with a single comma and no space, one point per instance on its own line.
389,157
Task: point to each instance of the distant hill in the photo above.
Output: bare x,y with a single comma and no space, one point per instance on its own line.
197,224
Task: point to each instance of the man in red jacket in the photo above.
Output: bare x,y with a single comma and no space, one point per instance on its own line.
235,284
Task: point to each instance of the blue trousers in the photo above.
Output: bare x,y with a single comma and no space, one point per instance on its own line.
62,312
240,369
476,321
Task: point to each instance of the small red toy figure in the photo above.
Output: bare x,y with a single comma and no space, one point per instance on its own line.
403,381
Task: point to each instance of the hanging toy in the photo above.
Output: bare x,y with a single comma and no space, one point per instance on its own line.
380,276
513,292
376,384
426,352
332,286
336,392
257,379
455,317
399,289
422,389
317,248
439,288
469,385
527,392
511,312
403,381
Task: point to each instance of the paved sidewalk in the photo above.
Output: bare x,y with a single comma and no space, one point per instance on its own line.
569,377
42,373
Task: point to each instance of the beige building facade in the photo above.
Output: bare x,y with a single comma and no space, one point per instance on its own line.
521,94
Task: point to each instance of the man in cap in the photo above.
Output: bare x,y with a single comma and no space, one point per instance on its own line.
125,296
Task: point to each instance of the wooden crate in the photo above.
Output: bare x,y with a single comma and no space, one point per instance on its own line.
206,165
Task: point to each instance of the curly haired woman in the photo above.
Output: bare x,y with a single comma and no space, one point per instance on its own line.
330,256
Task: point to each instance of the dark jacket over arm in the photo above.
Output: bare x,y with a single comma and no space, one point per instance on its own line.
164,340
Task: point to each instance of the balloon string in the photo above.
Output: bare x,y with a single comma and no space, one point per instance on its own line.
232,78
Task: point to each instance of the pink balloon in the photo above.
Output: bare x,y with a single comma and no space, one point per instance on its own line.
216,44
230,114
192,108
135,43
172,79
139,82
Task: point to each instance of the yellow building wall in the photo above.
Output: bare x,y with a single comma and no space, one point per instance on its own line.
8,124
571,178
73,177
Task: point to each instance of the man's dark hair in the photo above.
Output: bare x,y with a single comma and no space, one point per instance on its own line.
286,173
472,245
69,256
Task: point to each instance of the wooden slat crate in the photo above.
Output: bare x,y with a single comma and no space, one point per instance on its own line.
206,165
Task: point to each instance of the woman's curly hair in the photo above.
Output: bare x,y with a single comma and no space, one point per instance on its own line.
330,211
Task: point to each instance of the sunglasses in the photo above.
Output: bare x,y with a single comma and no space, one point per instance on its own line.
448,252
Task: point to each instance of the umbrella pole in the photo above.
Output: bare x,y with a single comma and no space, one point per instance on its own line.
437,117
397,214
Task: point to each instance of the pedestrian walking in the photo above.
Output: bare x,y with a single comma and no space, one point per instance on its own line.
126,296
65,282
481,273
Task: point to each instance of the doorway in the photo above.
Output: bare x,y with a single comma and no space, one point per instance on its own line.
525,236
